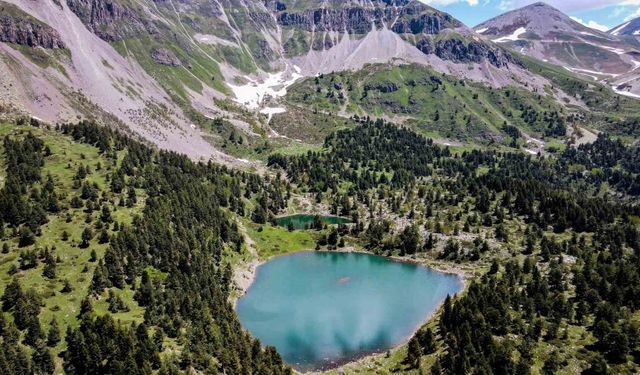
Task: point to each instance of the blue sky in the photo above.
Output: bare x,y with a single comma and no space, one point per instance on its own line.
603,14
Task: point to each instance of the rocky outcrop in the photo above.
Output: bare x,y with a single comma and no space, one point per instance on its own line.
356,20
275,5
423,24
459,51
384,87
416,18
165,57
28,32
109,19
404,17
415,21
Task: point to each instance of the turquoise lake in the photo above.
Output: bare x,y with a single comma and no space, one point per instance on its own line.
322,309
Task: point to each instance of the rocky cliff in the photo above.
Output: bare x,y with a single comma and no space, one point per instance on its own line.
110,19
20,28
416,22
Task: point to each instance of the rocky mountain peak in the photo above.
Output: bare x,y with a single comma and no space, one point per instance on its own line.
544,32
539,19
628,28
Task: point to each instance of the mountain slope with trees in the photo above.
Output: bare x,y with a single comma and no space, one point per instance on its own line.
116,258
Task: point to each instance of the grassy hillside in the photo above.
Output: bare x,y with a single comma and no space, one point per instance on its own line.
62,291
434,104
79,208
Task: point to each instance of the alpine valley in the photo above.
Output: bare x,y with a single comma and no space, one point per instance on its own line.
157,156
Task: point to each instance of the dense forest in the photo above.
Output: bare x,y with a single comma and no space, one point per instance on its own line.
118,258
557,235
171,256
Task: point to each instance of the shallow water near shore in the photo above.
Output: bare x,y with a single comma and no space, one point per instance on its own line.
322,309
303,221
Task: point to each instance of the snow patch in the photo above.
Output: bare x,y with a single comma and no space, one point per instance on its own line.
481,31
253,93
212,40
587,33
513,37
590,73
625,93
616,31
618,51
270,111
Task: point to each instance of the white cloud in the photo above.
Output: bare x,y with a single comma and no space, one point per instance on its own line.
633,15
591,24
506,5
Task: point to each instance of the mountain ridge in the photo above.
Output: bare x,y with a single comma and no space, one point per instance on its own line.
631,27
169,70
161,68
542,31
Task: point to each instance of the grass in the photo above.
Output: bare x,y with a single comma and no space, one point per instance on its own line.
74,262
430,102
196,69
272,241
45,58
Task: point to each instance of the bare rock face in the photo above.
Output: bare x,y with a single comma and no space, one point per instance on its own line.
109,19
416,22
545,33
165,57
28,32
473,52
416,18
354,20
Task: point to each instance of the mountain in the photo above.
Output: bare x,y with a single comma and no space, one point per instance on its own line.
628,28
164,69
543,32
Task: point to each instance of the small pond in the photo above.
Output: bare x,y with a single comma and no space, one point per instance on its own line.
304,221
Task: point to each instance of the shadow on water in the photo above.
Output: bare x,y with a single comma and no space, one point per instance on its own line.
323,309
304,221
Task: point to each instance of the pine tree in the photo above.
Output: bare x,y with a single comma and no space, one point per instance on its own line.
12,293
42,360
53,337
49,270
414,352
87,235
66,286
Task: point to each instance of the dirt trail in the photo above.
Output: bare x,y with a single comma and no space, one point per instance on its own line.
245,273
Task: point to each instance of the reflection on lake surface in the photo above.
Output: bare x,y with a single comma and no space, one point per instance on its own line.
320,309
304,221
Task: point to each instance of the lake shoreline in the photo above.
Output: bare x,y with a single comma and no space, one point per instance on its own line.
246,273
